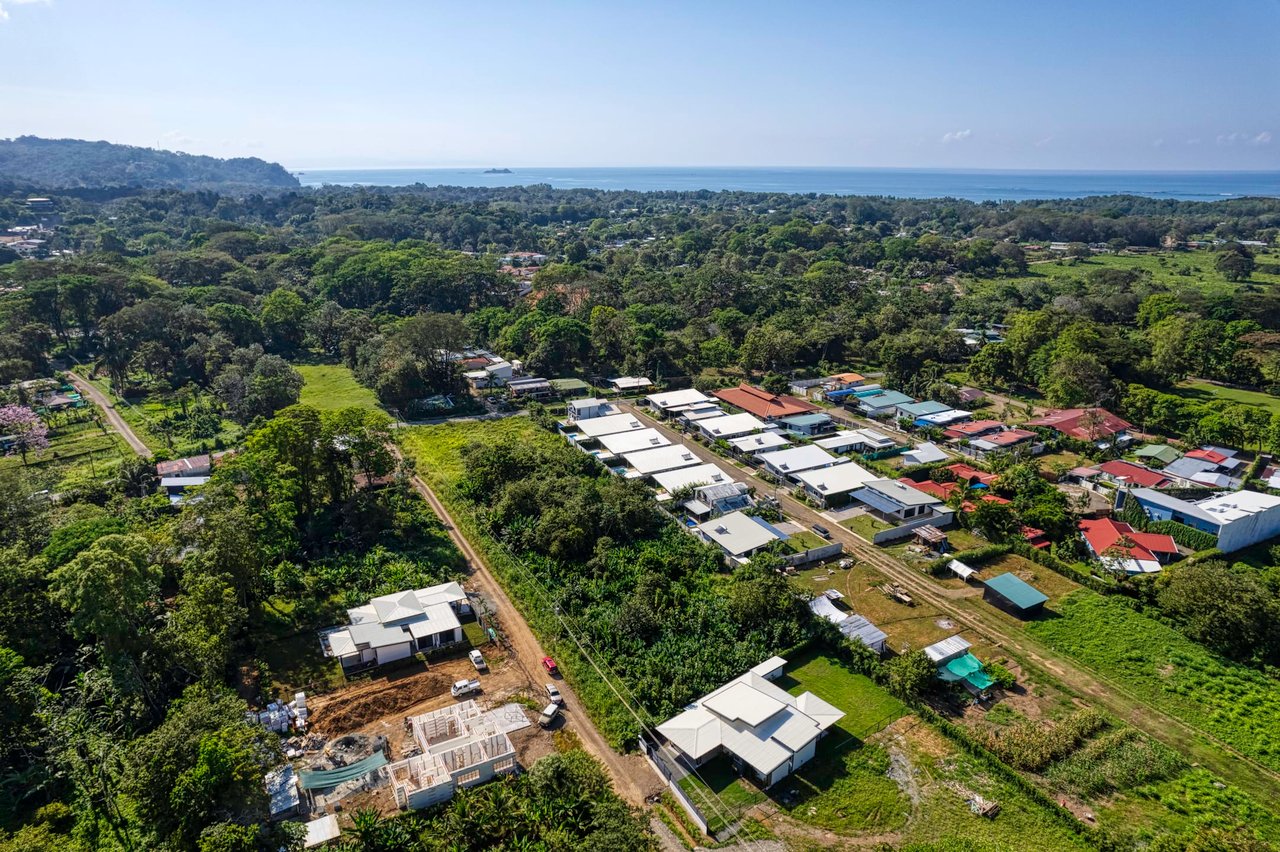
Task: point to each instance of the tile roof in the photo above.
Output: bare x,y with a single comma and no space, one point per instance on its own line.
763,404
1075,423
1134,474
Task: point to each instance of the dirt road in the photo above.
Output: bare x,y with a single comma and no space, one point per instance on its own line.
108,409
632,777
1225,761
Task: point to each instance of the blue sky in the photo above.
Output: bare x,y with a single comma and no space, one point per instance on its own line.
1116,85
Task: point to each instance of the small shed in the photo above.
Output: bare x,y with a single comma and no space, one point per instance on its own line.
1009,592
964,572
931,537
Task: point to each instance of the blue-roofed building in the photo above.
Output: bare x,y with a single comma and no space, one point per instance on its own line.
811,425
1009,592
882,403
913,410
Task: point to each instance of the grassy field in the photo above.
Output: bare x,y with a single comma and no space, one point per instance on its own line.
1176,270
143,415
79,453
1208,392
865,525
1234,703
802,541
332,386
868,708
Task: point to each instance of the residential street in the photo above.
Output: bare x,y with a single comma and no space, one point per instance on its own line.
633,777
1233,765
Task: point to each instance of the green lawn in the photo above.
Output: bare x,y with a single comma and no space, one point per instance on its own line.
144,414
868,707
1207,392
865,525
804,540
333,386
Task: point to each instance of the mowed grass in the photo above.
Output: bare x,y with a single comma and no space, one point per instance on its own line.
1208,392
867,706
1160,666
333,386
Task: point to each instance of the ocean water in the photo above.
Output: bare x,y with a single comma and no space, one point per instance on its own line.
974,185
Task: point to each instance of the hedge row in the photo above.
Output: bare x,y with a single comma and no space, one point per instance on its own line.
1188,537
973,558
1071,572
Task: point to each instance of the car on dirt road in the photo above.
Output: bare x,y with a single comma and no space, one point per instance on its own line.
550,665
553,692
548,715
464,687
477,660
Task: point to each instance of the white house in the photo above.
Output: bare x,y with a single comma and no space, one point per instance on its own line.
392,627
626,384
787,463
609,425
739,535
855,441
620,443
895,499
832,485
588,409
701,474
672,400
1238,518
459,746
649,462
760,727
729,426
761,442
925,453
712,501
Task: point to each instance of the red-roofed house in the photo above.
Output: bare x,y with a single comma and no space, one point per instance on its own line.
969,474
1128,473
973,429
945,490
765,405
1085,424
1036,538
1122,548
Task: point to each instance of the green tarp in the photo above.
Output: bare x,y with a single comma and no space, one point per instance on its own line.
967,668
323,778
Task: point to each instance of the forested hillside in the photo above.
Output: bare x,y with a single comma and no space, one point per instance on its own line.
29,161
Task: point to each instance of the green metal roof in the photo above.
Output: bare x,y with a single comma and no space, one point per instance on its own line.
967,668
1160,452
807,419
1017,592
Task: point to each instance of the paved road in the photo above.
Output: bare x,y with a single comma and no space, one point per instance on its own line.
108,408
1232,765
633,778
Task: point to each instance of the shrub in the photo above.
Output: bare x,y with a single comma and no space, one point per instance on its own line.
1032,745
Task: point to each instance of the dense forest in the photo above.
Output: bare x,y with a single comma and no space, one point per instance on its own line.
125,621
30,161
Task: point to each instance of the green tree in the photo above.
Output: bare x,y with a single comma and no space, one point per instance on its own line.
111,591
910,675
284,315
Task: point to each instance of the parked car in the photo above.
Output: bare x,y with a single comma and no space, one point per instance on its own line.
548,715
553,692
822,531
477,660
464,687
550,665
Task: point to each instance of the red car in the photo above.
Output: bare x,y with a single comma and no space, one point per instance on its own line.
550,665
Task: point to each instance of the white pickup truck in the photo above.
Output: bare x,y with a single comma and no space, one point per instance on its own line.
477,660
464,687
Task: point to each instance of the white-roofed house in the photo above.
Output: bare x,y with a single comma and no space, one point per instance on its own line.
761,442
1238,518
855,441
589,409
761,727
648,462
833,486
392,627
896,500
789,462
925,453
672,400
625,384
739,535
609,425
729,426
671,481
620,443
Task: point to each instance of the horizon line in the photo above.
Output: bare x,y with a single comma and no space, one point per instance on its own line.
976,169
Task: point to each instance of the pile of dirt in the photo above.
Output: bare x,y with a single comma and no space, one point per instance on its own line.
353,709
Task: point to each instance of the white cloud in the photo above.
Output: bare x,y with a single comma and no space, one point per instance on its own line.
7,4
956,136
1263,138
1193,141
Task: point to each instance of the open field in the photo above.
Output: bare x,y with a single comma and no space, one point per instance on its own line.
332,386
1237,704
1209,392
145,417
1179,270
79,453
